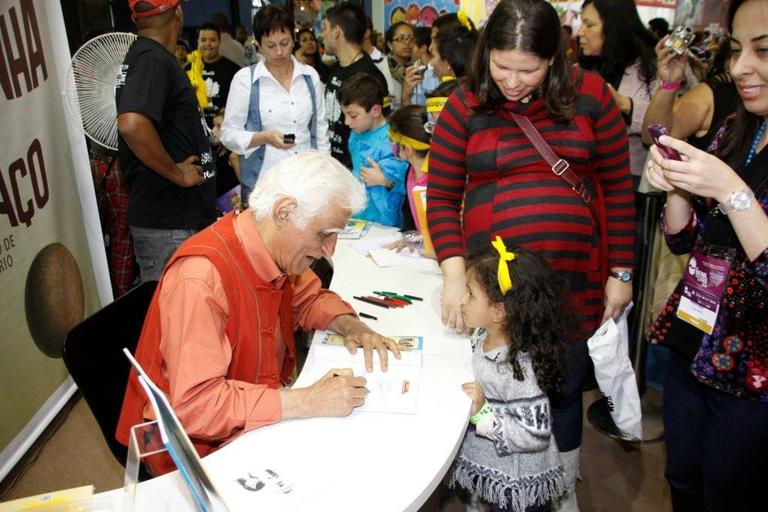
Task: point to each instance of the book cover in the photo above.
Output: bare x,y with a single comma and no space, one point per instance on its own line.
420,202
180,448
229,200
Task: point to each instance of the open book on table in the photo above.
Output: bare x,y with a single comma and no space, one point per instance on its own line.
394,391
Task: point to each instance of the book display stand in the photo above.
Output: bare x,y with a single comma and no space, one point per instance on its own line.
145,440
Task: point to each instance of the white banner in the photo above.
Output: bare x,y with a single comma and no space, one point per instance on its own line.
53,269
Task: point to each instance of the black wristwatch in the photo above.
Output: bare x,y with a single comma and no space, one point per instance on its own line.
624,276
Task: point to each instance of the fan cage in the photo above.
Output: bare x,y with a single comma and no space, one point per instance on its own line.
90,88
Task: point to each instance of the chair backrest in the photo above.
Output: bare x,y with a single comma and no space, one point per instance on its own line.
93,355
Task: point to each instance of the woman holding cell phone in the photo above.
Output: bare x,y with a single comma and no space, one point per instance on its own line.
716,389
275,108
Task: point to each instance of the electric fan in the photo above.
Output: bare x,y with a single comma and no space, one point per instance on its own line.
91,80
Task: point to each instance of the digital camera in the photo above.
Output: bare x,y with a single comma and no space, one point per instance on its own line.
679,40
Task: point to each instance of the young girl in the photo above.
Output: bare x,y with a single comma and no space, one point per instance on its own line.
410,129
518,306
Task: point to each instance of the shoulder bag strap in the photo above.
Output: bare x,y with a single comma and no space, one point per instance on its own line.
559,166
313,119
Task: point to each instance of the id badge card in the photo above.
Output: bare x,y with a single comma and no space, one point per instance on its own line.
704,282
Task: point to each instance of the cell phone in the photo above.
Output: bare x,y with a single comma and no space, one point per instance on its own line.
289,138
657,130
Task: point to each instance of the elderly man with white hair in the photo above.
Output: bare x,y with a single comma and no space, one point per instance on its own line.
218,337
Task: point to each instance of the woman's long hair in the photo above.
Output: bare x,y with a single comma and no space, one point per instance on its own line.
530,26
626,40
738,138
540,317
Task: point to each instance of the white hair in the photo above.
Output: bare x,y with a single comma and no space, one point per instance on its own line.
314,179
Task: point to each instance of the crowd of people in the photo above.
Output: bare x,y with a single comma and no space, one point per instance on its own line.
532,148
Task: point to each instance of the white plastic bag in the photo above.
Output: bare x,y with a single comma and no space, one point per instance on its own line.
609,350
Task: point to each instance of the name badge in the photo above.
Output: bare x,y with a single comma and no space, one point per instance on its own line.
704,282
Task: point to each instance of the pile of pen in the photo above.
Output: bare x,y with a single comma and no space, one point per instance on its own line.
389,299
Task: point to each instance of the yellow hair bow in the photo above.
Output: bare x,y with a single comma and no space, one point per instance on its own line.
464,20
505,282
404,140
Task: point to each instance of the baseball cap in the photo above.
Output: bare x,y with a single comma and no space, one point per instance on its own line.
158,7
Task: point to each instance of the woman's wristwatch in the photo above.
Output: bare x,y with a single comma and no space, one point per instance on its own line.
624,276
738,201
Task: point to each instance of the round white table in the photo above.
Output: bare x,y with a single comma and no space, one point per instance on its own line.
366,461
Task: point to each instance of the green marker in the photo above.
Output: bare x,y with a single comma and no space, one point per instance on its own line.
395,296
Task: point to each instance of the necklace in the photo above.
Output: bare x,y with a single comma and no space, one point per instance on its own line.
755,142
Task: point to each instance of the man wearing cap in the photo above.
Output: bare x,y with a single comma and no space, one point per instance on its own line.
164,143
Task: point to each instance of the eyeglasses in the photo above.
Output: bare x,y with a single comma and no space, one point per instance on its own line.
403,39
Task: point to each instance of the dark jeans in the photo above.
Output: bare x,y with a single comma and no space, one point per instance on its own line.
154,247
717,445
567,408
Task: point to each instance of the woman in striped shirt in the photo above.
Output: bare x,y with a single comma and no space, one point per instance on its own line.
482,158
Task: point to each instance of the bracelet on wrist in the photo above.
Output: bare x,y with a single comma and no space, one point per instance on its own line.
484,411
669,86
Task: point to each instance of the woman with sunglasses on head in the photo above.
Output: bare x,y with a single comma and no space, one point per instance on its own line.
487,177
716,387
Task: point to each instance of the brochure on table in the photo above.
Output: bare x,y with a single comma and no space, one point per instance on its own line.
355,229
393,391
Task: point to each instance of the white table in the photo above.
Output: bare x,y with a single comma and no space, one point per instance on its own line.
367,461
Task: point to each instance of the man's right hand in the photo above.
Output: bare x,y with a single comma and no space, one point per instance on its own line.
336,394
189,173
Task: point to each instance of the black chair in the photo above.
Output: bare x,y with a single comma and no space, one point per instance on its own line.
93,354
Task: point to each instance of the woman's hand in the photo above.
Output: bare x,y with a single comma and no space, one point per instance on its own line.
618,295
655,173
698,172
623,102
475,392
454,289
670,67
410,81
372,176
272,137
